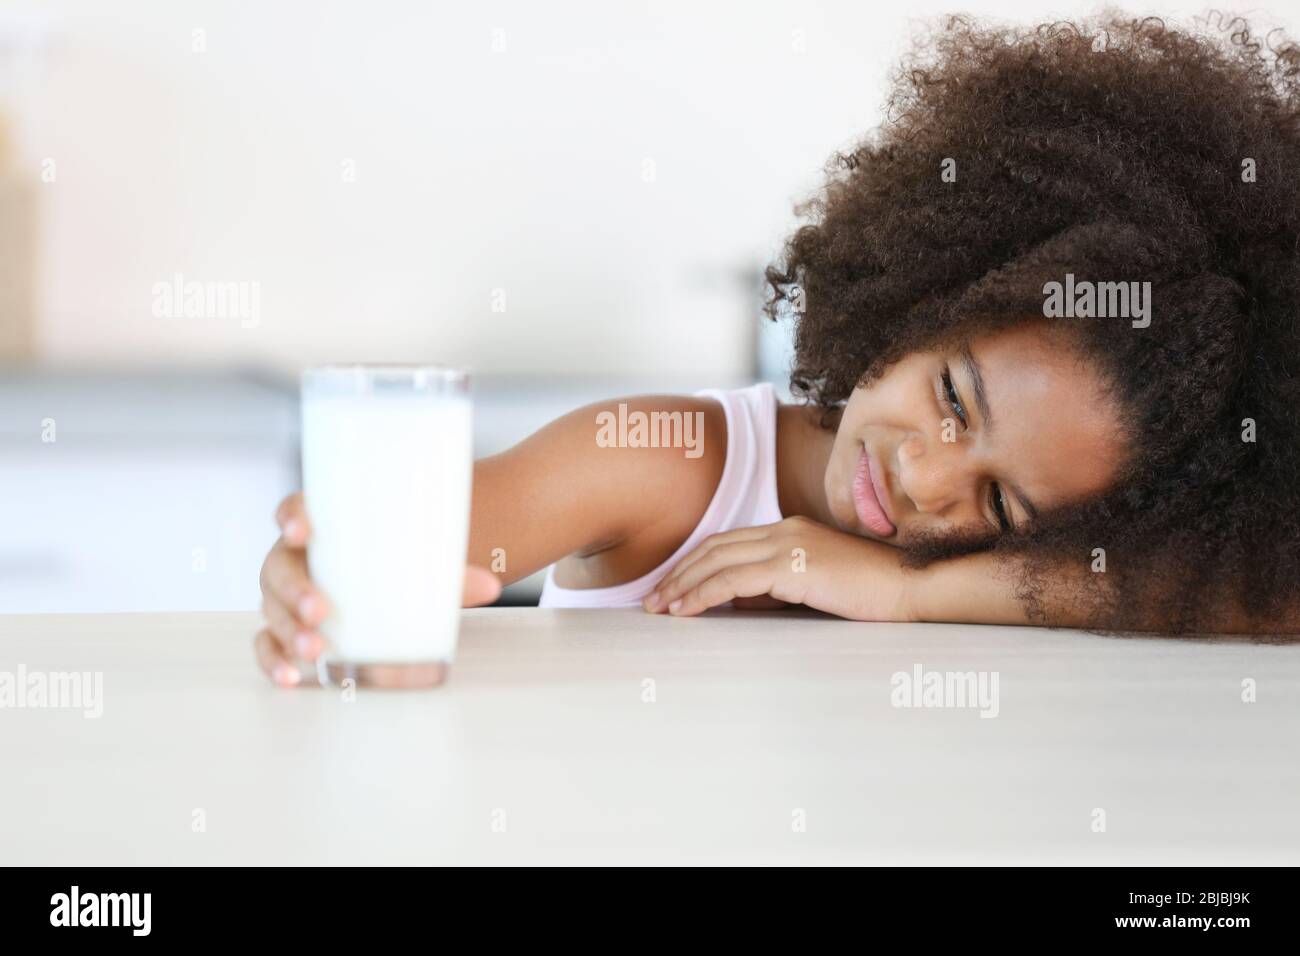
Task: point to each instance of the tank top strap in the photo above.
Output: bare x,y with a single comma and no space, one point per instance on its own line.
746,495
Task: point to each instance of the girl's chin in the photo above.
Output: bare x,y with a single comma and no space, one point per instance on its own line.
840,505
861,532
845,517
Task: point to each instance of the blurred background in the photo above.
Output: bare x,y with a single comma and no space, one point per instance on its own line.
574,200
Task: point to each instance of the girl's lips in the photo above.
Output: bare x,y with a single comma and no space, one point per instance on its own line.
867,497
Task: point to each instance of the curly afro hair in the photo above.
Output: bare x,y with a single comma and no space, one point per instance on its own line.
1116,150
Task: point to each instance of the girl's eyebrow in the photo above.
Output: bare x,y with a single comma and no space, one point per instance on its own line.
972,366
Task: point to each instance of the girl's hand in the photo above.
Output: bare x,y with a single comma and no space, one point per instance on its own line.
294,607
795,561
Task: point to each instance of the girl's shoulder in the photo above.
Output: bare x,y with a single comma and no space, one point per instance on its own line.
650,466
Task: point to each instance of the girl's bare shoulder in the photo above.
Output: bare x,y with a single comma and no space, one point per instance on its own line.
650,464
631,461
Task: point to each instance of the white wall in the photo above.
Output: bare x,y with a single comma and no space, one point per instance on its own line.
475,170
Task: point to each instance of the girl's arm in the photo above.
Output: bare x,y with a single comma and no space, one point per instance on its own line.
559,493
980,589
976,588
799,561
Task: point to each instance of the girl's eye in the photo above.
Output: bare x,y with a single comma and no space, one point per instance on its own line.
999,503
953,399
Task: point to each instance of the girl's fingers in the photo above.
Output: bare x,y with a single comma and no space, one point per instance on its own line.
681,580
284,576
295,640
273,662
291,516
481,586
756,533
280,622
746,580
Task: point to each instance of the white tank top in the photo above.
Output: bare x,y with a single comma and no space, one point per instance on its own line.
746,496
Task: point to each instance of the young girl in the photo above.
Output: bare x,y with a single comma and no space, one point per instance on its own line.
1047,336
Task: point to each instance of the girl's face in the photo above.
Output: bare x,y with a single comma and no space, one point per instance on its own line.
974,440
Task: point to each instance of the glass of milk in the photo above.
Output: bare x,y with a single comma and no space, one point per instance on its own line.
387,460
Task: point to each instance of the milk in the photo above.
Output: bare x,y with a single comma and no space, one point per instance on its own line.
386,483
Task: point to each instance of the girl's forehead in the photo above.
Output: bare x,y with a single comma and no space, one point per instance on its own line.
1058,427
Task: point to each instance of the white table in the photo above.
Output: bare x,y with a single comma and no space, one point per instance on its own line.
542,748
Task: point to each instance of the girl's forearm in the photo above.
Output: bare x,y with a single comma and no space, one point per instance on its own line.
976,589
981,589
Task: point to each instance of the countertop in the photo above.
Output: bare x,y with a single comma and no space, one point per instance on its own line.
577,736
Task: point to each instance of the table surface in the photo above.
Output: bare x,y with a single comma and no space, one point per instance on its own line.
578,736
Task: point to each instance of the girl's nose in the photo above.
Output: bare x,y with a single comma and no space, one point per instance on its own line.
931,473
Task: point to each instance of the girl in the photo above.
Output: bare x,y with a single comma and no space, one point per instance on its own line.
1046,334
